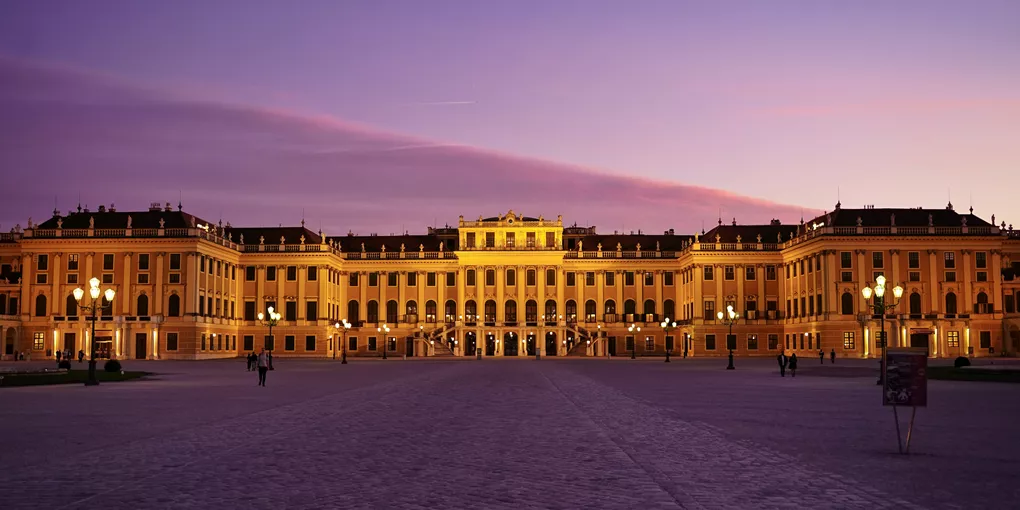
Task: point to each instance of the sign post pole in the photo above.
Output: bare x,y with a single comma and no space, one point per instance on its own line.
905,384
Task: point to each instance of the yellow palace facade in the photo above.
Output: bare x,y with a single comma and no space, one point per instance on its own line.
510,285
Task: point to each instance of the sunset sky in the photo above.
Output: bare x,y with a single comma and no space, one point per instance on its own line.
445,107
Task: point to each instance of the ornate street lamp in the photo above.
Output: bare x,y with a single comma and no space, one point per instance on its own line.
386,341
345,327
880,306
634,328
667,325
729,318
270,318
95,305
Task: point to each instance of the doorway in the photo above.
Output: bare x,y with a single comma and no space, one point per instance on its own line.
530,344
104,346
140,341
490,345
511,344
920,340
550,344
409,349
470,343
69,343
611,344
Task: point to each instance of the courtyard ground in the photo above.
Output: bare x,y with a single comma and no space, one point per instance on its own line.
504,433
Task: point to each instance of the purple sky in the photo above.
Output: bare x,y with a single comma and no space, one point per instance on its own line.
893,103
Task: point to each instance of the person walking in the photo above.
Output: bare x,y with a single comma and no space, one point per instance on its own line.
59,355
832,356
821,356
263,365
793,365
781,359
81,355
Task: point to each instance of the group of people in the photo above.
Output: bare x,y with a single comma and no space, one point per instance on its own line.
66,354
791,361
261,362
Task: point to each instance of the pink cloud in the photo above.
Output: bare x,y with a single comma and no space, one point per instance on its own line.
65,132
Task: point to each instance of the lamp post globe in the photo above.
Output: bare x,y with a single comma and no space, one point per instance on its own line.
96,305
881,307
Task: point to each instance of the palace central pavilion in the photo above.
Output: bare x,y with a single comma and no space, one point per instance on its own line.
510,285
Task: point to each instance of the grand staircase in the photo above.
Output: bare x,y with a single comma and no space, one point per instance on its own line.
440,347
581,336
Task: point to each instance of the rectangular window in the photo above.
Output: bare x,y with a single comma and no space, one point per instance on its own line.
550,277
470,277
981,259
770,273
249,273
38,341
914,276
490,239
531,278
352,343
249,310
391,279
773,342
270,273
288,343
530,240
801,269
571,279
175,261
630,343
628,278
72,262
649,279
846,260
982,276
291,273
649,344
72,278
107,262
352,279
729,274
175,277
877,260
469,240
412,279
589,278
391,343
667,278
108,278
914,260
709,310
201,264
312,310
709,342
849,343
40,278
511,277
373,279
203,341
876,274
248,343
313,273
309,342
953,339
950,276
451,279
430,279
752,342
143,278
43,262
610,278
847,276
550,239
490,277
511,240
143,261
788,271
171,341
986,339
709,273
290,311
950,258
749,273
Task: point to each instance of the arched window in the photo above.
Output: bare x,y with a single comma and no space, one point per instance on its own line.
430,311
915,303
669,310
70,304
571,312
531,311
142,306
451,310
40,305
353,311
649,306
951,303
471,310
173,308
550,310
846,303
629,307
392,310
610,307
373,312
490,311
590,310
411,308
982,304
510,311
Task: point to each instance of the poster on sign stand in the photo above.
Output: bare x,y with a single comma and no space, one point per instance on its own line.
905,384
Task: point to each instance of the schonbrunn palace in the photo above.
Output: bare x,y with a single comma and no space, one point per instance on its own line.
510,285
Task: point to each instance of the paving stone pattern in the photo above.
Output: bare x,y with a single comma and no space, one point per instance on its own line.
489,434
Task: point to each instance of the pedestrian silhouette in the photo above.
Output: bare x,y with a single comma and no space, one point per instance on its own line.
821,356
793,365
832,356
781,359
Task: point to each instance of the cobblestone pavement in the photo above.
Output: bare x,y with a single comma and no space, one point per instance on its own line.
503,434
